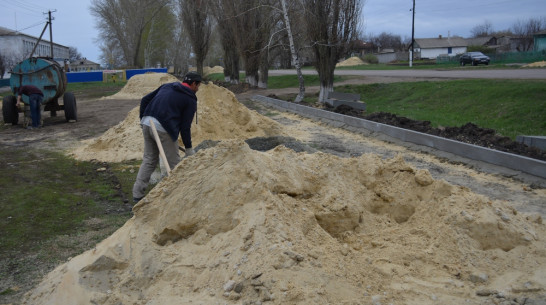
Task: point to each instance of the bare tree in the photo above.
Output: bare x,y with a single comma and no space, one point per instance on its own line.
73,54
482,30
111,55
387,40
524,30
224,12
331,26
198,24
126,21
295,56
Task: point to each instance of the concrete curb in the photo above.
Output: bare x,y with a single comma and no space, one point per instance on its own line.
528,165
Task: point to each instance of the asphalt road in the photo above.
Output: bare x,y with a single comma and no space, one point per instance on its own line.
454,74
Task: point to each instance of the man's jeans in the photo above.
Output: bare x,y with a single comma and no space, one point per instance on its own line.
35,102
150,159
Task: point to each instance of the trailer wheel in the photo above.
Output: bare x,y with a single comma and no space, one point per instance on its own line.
9,110
70,110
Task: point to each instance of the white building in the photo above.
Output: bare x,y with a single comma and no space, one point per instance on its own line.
16,46
430,48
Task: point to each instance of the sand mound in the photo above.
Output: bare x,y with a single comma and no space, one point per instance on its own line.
209,70
232,225
219,116
142,84
352,61
539,64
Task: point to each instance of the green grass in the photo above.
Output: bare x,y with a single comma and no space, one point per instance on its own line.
511,107
46,194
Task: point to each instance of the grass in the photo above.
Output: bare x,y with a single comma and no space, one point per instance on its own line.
53,207
511,107
39,204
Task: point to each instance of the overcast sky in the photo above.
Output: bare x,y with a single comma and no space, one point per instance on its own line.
74,25
446,17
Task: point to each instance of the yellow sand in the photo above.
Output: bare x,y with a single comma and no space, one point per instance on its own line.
539,64
352,61
219,116
232,225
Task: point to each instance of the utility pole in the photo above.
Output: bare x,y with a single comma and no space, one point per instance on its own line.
51,34
412,34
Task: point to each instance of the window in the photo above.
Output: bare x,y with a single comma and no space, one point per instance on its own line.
449,50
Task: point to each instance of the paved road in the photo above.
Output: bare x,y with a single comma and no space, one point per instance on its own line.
455,74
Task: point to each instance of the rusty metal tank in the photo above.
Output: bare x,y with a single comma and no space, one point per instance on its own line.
50,78
45,74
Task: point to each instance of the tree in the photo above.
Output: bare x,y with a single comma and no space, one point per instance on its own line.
164,25
111,55
73,54
331,26
198,25
482,30
387,40
295,56
524,30
125,21
223,11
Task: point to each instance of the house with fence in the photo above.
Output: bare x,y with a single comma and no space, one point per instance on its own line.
431,48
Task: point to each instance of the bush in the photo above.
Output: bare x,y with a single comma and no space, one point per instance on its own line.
370,58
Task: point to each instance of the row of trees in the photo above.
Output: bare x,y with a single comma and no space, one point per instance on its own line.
251,33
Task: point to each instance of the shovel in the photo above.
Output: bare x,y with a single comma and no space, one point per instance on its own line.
161,152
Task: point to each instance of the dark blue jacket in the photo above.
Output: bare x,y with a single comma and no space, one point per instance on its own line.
174,106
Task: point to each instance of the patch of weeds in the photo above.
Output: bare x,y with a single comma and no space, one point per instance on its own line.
52,208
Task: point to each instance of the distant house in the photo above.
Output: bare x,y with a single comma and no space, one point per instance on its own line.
487,41
540,41
82,65
430,48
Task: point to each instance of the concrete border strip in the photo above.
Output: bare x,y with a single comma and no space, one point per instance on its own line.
528,165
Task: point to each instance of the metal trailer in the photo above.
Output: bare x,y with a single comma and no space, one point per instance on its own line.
48,76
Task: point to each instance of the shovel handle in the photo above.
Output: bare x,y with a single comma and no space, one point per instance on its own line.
161,152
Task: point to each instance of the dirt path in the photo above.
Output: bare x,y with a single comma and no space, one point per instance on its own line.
94,118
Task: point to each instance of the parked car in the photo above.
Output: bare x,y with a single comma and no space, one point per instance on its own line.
474,58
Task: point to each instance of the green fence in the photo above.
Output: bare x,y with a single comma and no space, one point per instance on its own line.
503,58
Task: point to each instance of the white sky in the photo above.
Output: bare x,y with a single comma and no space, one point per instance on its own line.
74,25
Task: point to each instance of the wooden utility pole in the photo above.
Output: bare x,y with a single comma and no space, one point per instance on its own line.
412,34
50,34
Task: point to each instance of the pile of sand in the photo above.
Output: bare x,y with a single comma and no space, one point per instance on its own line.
352,61
232,225
539,64
219,116
142,84
209,70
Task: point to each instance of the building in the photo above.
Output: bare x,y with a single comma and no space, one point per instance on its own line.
540,41
83,65
431,48
16,46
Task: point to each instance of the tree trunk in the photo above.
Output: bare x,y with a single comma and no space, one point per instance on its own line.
295,58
